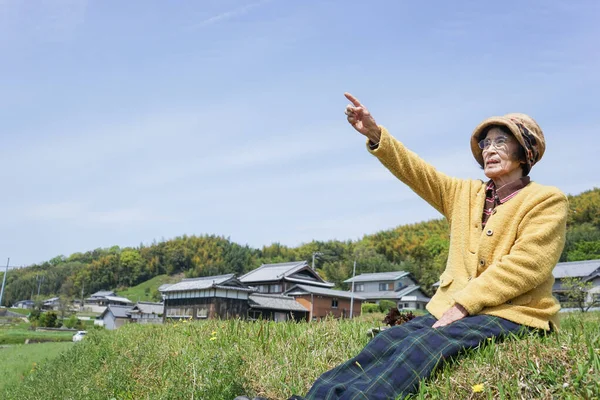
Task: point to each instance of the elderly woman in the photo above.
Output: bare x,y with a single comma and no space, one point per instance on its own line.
506,236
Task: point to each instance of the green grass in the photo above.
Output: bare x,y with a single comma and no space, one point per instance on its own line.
144,291
19,332
18,361
223,359
23,311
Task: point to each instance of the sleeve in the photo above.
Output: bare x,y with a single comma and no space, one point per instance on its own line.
436,188
540,241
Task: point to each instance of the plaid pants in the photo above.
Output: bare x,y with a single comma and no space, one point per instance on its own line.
393,363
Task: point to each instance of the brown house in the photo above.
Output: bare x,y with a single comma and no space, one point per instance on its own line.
322,302
221,296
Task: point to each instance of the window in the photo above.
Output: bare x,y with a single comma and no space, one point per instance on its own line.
359,287
334,303
263,288
385,286
406,305
275,288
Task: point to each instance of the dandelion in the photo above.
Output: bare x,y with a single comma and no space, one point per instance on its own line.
478,388
213,338
214,333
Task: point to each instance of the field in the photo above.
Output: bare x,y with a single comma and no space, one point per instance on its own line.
18,331
19,360
223,359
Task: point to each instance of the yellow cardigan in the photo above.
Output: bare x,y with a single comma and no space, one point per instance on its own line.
504,269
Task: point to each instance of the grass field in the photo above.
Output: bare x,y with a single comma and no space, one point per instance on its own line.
18,332
144,291
223,359
20,360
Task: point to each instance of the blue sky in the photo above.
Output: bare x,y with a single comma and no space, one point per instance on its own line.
128,122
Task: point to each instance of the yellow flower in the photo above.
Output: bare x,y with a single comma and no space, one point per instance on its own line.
213,338
214,333
478,388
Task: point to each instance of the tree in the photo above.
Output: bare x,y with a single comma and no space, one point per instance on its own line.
578,293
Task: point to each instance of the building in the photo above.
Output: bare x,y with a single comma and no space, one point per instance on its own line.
586,271
396,286
278,278
222,296
27,304
145,312
51,304
322,302
276,307
114,316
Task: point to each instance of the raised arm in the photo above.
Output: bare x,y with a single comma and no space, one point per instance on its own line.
436,188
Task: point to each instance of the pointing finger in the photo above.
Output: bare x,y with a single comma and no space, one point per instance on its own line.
353,100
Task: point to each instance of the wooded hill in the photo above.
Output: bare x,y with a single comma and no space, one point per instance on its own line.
420,248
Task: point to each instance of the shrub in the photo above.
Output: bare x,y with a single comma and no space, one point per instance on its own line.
386,305
368,308
71,321
51,318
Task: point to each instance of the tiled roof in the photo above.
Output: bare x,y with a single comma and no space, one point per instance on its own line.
218,281
378,276
275,272
117,311
103,293
391,295
117,299
272,272
303,289
576,269
275,302
145,307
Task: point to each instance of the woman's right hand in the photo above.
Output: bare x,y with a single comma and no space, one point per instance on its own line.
362,120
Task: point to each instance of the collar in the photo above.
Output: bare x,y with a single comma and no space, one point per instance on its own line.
508,191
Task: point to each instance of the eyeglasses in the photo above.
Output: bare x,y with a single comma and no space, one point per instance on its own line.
500,143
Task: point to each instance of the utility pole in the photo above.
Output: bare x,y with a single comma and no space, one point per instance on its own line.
40,284
4,281
352,291
315,253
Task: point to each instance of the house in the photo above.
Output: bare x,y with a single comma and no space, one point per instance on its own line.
114,316
278,278
27,304
145,312
98,298
222,296
322,302
586,271
51,304
276,307
396,286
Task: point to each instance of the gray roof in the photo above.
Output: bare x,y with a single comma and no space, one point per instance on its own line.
145,307
118,299
303,289
208,282
164,286
117,311
275,272
275,302
576,269
103,293
378,276
391,295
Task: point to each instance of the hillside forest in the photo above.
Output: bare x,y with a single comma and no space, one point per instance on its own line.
420,248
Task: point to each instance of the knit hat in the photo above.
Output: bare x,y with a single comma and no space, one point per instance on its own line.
527,132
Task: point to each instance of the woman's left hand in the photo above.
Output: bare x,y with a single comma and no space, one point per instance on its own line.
453,314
